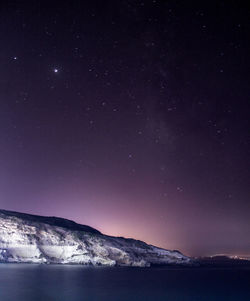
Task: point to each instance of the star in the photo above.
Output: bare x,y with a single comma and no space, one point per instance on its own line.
55,70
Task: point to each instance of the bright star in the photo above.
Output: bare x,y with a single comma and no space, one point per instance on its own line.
56,70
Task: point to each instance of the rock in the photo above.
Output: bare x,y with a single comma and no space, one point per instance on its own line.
29,238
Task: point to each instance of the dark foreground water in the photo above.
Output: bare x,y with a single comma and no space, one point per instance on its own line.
77,283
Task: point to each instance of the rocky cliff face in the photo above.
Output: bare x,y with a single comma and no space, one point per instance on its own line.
35,239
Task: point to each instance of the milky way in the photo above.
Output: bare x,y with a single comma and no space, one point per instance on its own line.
129,116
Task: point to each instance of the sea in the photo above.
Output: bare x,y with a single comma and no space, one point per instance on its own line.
30,282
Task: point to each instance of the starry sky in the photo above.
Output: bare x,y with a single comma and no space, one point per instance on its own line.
131,117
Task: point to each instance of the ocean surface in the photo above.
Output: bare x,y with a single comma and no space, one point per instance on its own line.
19,282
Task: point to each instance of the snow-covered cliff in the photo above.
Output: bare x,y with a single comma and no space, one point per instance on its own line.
37,239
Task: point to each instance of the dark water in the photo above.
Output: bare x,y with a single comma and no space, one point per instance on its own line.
77,283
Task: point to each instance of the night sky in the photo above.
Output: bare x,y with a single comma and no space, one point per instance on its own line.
131,117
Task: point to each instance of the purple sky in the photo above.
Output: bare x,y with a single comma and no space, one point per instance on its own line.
131,117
